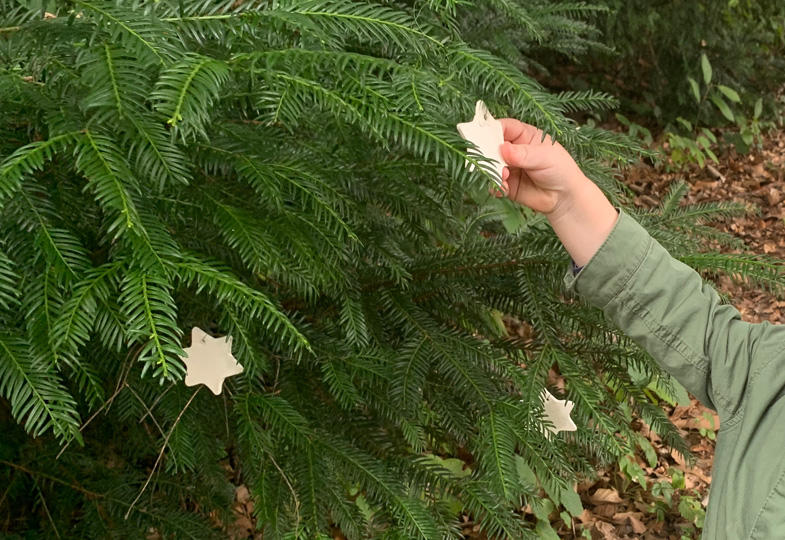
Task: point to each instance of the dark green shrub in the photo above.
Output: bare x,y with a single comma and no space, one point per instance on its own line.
659,45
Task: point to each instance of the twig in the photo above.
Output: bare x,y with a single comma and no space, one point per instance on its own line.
291,488
92,417
46,508
149,412
121,381
277,368
24,469
92,495
161,452
8,29
226,416
157,399
7,489
715,173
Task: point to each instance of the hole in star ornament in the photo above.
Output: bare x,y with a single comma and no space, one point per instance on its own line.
488,135
209,360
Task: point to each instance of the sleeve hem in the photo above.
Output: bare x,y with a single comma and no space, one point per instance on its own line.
613,265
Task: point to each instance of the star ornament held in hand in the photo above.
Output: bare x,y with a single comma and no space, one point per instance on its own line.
488,135
557,411
209,360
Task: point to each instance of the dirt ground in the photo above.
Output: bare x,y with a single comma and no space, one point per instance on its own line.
757,179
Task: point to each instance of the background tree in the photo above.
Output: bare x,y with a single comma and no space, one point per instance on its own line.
288,173
659,46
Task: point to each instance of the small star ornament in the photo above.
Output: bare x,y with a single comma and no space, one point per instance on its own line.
557,411
488,135
209,360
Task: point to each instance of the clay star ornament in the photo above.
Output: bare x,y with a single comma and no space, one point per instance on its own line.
557,411
488,135
209,360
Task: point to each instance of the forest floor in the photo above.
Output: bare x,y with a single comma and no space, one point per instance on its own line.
667,501
673,503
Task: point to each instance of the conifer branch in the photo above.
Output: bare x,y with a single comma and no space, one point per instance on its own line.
125,26
35,392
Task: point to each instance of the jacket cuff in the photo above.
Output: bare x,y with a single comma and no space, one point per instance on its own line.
614,263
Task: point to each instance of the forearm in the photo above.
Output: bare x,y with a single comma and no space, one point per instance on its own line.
663,305
583,219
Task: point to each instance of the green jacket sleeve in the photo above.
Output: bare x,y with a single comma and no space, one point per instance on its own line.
666,308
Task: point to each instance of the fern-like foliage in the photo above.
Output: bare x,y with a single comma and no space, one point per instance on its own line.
37,395
288,173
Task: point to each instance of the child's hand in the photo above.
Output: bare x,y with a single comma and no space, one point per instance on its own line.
543,176
540,174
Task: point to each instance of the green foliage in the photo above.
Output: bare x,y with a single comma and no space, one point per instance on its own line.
711,431
690,143
288,173
692,510
673,495
658,53
664,50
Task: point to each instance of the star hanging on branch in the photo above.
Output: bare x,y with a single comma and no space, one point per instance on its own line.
209,360
557,411
487,135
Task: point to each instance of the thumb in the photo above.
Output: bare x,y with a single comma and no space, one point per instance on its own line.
515,155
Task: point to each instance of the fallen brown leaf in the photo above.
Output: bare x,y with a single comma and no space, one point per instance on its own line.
607,530
241,494
634,519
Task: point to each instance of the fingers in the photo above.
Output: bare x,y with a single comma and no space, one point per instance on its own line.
504,188
513,184
526,156
515,188
497,190
517,132
527,193
520,188
514,155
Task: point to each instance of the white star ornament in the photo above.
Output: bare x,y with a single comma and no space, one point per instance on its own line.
557,411
488,135
209,360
